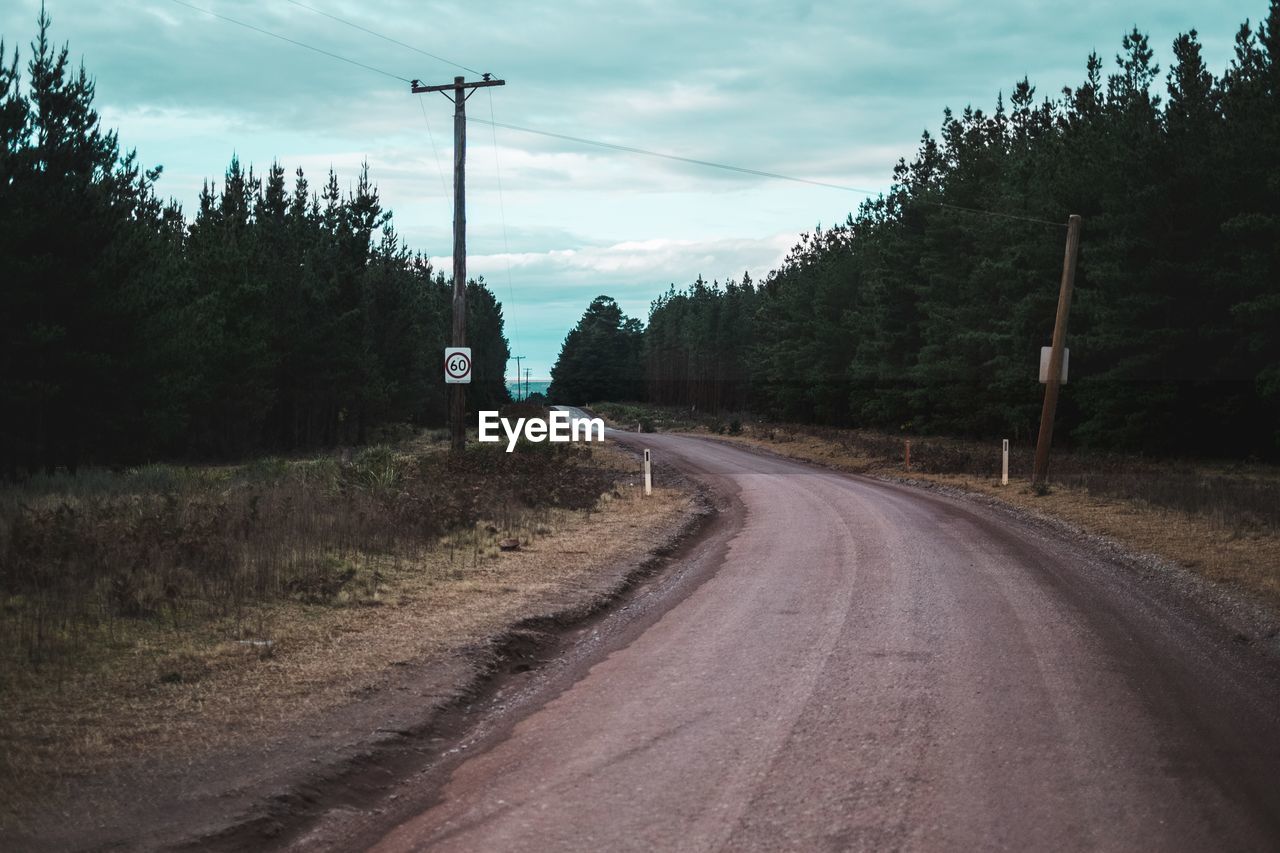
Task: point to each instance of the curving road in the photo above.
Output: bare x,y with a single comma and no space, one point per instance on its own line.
870,667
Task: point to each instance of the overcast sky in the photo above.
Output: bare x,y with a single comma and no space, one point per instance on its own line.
833,92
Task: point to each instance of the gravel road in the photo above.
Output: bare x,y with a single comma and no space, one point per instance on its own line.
868,666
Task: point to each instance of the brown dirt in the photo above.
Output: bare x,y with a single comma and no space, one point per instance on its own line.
178,724
867,665
1243,557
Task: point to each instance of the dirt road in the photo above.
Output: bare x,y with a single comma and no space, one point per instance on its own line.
868,666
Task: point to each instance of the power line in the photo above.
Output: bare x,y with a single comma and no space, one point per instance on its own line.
624,148
356,26
647,153
1000,215
430,136
581,140
502,210
628,149
294,42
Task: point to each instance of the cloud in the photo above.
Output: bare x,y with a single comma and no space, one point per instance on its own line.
545,292
655,262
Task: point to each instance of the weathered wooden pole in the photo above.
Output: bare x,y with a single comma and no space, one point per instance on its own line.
459,402
1041,469
461,91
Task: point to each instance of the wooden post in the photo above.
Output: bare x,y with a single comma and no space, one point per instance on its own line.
459,87
1041,469
1004,465
906,452
459,402
648,474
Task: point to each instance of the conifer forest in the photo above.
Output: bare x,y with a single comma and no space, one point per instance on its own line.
279,316
925,311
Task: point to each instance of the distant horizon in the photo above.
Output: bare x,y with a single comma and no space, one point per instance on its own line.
536,386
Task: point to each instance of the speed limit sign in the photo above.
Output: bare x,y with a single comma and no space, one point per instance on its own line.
457,365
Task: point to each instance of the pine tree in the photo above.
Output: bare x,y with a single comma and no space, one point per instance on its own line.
918,314
600,358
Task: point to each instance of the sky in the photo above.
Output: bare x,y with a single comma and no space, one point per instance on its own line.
834,92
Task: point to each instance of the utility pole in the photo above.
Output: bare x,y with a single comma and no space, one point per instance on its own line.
1041,470
527,371
518,359
461,91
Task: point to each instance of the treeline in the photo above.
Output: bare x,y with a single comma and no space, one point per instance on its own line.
277,319
700,346
919,314
601,357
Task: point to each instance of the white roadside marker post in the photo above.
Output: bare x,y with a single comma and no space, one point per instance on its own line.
1004,467
648,474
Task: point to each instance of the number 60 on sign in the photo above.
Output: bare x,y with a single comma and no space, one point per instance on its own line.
457,365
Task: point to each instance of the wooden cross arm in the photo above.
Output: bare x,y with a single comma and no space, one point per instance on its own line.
457,84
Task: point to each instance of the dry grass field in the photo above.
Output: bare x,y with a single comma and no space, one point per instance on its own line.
156,612
1221,520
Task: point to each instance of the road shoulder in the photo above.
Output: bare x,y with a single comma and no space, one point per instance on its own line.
1156,546
308,741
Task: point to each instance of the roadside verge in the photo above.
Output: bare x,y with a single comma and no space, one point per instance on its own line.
1230,565
348,697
